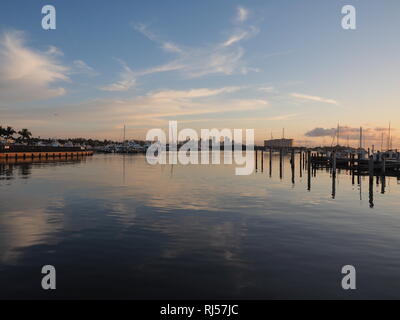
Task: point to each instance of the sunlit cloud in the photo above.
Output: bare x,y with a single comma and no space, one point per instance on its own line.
26,74
313,98
103,117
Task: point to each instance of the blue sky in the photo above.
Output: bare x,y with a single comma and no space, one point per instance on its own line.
219,63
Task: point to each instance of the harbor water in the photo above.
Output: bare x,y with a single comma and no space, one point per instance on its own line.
115,226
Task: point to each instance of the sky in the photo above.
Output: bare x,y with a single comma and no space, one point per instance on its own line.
263,65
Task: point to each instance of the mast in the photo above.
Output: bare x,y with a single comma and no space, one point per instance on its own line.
124,134
360,137
389,138
338,134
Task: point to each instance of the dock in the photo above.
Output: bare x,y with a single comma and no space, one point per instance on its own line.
377,163
27,152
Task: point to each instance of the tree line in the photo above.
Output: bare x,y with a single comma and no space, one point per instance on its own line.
24,135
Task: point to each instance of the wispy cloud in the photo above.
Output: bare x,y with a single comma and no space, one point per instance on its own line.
282,117
235,38
242,14
193,93
127,80
82,67
268,89
54,51
313,98
225,57
26,74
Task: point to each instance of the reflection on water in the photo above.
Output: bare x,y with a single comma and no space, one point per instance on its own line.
117,227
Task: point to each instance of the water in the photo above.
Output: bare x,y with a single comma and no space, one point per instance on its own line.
117,227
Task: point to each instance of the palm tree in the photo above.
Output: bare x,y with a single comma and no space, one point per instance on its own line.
25,135
2,132
9,132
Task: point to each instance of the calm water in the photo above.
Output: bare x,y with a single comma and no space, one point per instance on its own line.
117,227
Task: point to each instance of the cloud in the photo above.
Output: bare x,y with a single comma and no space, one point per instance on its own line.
193,93
82,68
242,14
269,89
314,98
54,51
371,135
26,74
126,82
321,132
101,117
235,38
283,117
225,57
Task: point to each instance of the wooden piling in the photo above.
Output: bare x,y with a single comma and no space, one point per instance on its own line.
371,166
262,160
334,163
255,152
281,163
270,162
308,170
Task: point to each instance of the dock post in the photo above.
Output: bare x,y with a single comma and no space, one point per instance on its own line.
301,154
270,161
292,165
280,163
308,170
301,165
383,184
255,151
371,166
334,163
262,160
292,158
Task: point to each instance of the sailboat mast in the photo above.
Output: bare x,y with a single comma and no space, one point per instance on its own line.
124,134
338,134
